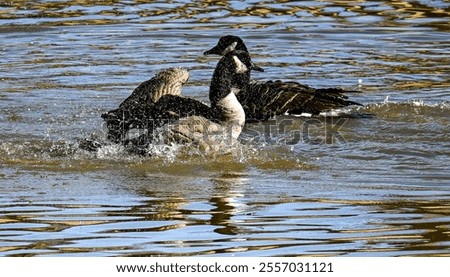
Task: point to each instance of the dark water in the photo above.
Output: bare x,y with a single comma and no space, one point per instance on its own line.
347,186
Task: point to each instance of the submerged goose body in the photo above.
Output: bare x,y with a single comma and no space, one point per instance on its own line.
153,103
263,100
170,117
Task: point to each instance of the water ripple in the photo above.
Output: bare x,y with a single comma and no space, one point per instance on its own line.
362,181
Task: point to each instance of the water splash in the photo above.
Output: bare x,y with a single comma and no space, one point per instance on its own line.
262,145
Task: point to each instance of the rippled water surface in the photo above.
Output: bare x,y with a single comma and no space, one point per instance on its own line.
346,185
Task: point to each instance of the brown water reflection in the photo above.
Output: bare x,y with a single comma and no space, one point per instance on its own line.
157,213
381,13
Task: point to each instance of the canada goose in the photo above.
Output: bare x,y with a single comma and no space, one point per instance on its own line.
158,106
263,100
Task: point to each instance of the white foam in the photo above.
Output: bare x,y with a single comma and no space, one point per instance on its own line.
109,151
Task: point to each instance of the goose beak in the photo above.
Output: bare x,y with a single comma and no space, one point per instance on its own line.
256,68
213,51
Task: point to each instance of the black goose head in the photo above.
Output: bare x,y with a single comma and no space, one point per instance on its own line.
234,63
227,44
242,61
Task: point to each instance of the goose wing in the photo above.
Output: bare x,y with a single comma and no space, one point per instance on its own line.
172,107
133,112
149,115
264,100
324,100
166,82
173,112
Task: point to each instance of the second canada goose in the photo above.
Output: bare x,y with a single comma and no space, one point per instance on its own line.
263,100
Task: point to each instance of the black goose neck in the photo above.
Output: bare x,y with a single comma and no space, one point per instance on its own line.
241,80
221,82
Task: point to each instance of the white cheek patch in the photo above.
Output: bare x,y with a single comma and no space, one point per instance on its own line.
229,48
235,90
240,66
